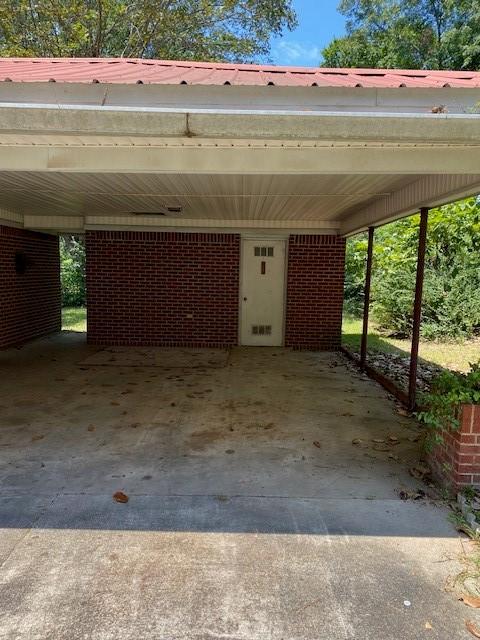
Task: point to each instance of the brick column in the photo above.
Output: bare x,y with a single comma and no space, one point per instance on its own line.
456,461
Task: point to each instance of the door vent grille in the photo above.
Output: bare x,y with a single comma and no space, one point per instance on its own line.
262,329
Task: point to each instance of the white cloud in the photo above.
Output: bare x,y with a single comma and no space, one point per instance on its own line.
291,52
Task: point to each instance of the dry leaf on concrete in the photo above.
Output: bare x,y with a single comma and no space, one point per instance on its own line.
472,627
91,427
471,601
119,496
381,447
428,625
37,437
317,444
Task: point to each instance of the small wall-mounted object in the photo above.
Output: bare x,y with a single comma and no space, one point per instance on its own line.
21,262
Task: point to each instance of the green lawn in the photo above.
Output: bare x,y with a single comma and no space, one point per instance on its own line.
74,319
450,355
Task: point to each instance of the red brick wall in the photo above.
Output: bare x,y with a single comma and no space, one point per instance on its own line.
456,461
30,302
162,288
314,292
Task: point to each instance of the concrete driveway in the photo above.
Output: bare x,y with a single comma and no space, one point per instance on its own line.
251,515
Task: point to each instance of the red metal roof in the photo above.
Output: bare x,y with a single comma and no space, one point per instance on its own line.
171,72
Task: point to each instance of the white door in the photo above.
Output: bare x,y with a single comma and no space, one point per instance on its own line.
262,293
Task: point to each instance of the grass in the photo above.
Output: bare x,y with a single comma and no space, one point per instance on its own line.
74,319
450,355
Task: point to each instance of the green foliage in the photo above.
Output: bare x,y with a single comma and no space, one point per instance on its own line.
72,271
355,256
448,392
408,34
238,30
451,294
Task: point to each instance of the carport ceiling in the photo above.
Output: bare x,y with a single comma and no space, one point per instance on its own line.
223,197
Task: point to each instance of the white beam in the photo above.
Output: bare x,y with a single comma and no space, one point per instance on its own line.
10,218
242,159
429,191
78,224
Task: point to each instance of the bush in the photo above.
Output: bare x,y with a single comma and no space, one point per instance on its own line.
72,271
451,293
448,392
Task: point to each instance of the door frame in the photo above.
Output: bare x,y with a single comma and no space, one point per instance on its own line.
262,238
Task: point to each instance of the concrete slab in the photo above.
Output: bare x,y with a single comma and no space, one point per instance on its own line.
167,358
251,514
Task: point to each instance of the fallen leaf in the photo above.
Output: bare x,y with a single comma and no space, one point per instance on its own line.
119,496
419,472
381,447
471,601
357,441
394,439
317,444
428,625
378,440
37,437
91,427
114,404
403,412
472,627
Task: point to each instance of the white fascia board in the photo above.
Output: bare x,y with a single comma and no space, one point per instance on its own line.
420,100
429,191
41,119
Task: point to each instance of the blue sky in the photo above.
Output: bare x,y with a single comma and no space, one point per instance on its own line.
318,23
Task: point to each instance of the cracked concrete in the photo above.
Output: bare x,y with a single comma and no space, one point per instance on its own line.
237,526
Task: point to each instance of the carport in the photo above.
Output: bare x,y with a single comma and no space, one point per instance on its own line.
264,483
215,199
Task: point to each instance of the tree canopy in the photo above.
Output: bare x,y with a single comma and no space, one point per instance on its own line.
408,34
222,30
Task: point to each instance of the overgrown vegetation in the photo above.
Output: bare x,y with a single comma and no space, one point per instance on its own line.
72,271
451,296
448,392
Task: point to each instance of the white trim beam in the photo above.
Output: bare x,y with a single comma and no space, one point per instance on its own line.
268,160
429,191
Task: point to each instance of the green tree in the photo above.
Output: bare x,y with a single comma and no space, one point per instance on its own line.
72,271
408,34
451,296
236,30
